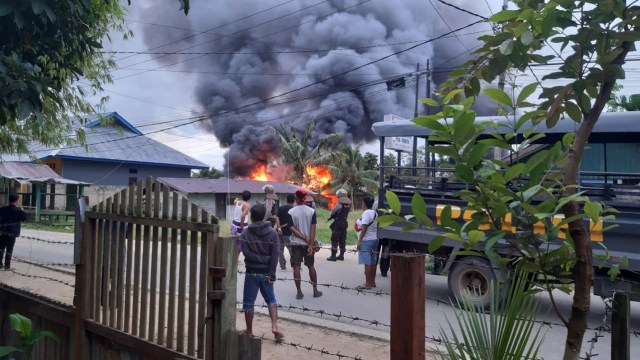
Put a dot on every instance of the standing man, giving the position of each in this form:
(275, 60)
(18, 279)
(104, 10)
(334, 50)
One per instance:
(11, 217)
(339, 226)
(283, 229)
(302, 221)
(270, 203)
(240, 214)
(260, 249)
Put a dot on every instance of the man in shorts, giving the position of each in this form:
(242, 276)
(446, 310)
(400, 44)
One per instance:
(261, 251)
(302, 221)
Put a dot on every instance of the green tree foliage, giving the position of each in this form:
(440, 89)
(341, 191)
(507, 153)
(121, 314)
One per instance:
(51, 60)
(491, 336)
(28, 337)
(49, 63)
(349, 172)
(370, 161)
(590, 39)
(298, 151)
(212, 173)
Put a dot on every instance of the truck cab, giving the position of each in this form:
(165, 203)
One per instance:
(609, 173)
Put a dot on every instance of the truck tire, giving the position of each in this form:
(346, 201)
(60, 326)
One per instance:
(471, 277)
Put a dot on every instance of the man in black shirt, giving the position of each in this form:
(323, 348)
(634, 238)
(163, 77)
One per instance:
(282, 227)
(11, 217)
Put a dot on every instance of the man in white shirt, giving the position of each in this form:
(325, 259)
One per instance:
(303, 234)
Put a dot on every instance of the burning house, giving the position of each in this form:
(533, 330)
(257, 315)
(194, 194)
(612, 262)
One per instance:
(217, 195)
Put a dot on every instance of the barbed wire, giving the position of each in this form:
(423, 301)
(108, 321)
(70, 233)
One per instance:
(52, 242)
(43, 264)
(323, 313)
(342, 287)
(41, 277)
(309, 348)
(608, 302)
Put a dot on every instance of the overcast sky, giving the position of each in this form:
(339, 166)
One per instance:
(226, 66)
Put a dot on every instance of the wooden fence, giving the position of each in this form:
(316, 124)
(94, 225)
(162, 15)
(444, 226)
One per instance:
(153, 275)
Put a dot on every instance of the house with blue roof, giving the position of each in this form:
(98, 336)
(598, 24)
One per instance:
(116, 153)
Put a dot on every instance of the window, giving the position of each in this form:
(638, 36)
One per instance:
(133, 180)
(133, 171)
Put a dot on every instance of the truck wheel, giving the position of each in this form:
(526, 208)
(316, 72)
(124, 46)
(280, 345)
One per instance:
(471, 277)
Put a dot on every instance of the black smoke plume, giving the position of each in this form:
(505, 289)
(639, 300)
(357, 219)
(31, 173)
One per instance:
(269, 47)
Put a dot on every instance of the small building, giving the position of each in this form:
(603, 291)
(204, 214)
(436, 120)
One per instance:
(39, 187)
(116, 153)
(217, 195)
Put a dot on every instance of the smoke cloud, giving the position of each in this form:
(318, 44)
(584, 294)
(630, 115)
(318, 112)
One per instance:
(269, 47)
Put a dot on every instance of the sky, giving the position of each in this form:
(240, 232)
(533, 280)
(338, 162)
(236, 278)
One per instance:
(213, 83)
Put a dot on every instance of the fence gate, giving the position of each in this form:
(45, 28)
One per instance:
(153, 277)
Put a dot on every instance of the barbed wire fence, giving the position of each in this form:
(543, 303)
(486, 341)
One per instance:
(599, 331)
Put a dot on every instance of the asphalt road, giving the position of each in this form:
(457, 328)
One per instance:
(372, 307)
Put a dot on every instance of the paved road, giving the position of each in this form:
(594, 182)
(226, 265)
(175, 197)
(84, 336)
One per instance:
(377, 308)
(369, 307)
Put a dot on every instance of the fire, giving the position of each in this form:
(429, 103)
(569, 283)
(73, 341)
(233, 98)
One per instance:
(260, 173)
(317, 179)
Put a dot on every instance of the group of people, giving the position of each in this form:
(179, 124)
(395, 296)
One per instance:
(293, 225)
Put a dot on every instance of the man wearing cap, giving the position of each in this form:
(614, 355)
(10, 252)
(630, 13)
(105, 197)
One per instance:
(302, 221)
(339, 225)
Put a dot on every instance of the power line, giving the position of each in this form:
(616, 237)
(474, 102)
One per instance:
(242, 30)
(267, 100)
(214, 28)
(464, 10)
(446, 23)
(181, 52)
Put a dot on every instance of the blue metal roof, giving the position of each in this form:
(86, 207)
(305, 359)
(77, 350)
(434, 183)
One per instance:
(119, 142)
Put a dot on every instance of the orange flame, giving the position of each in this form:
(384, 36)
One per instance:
(317, 178)
(260, 173)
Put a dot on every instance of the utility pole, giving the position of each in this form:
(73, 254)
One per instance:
(428, 163)
(414, 156)
(498, 152)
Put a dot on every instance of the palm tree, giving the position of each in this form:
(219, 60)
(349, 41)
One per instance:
(350, 174)
(298, 151)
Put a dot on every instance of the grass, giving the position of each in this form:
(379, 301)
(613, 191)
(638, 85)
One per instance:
(63, 227)
(323, 233)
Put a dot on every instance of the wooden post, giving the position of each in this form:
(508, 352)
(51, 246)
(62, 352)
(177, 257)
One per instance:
(82, 239)
(224, 310)
(620, 337)
(243, 347)
(407, 307)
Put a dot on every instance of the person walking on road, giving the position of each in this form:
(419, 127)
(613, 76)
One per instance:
(11, 219)
(240, 214)
(261, 252)
(283, 229)
(368, 242)
(302, 221)
(270, 203)
(339, 226)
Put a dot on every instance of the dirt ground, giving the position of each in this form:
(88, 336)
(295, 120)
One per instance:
(301, 340)
(352, 346)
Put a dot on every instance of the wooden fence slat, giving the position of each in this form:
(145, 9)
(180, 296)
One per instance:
(96, 263)
(146, 238)
(129, 267)
(135, 323)
(105, 267)
(193, 284)
(113, 269)
(182, 277)
(162, 303)
(153, 287)
(202, 297)
(172, 275)
(122, 235)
